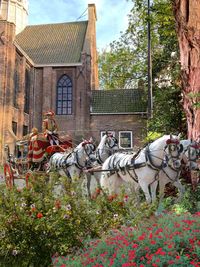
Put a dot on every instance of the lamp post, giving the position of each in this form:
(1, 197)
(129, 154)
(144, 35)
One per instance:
(150, 99)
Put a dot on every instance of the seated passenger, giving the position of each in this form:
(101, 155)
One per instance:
(50, 128)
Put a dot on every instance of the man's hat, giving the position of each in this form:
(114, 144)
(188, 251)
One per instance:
(49, 113)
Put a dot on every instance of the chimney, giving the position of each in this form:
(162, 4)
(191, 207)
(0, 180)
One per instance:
(92, 15)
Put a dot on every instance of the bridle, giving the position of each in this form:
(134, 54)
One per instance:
(171, 146)
(109, 141)
(89, 148)
(193, 147)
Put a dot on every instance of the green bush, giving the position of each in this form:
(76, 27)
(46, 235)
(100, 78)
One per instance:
(37, 223)
(53, 218)
(172, 241)
(189, 203)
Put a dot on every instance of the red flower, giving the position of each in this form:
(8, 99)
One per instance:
(57, 204)
(39, 215)
(159, 230)
(98, 190)
(160, 252)
(131, 254)
(150, 235)
(127, 264)
(142, 237)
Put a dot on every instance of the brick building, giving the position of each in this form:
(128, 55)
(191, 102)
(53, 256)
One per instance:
(54, 66)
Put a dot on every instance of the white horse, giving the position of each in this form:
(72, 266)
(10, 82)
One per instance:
(107, 146)
(169, 174)
(141, 169)
(72, 164)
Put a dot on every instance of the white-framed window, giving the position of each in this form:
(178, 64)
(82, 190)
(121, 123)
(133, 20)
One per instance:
(126, 139)
(110, 132)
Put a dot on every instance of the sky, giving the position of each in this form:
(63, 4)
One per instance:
(111, 15)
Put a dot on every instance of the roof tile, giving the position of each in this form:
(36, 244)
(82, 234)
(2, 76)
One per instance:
(118, 101)
(53, 43)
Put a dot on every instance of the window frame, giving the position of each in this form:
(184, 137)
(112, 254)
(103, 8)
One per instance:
(131, 141)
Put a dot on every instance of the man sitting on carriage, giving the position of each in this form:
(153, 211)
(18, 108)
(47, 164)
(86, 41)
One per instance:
(50, 128)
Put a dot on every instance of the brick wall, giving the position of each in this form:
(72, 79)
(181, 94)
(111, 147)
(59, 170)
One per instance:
(116, 123)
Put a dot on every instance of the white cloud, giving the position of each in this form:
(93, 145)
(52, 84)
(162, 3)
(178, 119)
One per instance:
(111, 15)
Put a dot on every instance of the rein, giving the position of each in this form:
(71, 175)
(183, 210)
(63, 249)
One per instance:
(148, 157)
(77, 164)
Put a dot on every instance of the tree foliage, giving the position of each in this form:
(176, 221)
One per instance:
(125, 64)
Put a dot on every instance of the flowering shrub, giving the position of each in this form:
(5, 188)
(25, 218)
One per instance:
(36, 223)
(53, 218)
(172, 241)
(39, 222)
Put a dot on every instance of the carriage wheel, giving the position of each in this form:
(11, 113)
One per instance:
(8, 174)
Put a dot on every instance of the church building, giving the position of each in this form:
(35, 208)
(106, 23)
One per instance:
(54, 67)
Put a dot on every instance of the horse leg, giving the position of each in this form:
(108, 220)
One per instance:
(111, 184)
(145, 189)
(181, 190)
(153, 187)
(89, 178)
(162, 183)
(137, 193)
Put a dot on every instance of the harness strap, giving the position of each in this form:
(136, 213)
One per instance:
(99, 160)
(177, 175)
(77, 164)
(67, 165)
(134, 177)
(150, 162)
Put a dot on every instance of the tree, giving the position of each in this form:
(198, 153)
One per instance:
(125, 64)
(187, 17)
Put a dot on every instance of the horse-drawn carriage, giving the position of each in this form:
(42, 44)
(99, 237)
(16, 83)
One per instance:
(29, 157)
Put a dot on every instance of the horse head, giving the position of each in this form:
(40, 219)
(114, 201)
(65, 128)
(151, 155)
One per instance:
(191, 154)
(89, 148)
(111, 141)
(173, 152)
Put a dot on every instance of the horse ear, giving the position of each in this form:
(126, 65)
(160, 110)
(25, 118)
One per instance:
(179, 136)
(168, 141)
(84, 142)
(106, 133)
(91, 140)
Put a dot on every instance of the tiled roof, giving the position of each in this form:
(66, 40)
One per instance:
(53, 43)
(118, 101)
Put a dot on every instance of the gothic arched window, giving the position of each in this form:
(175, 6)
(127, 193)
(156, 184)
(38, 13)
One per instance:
(64, 96)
